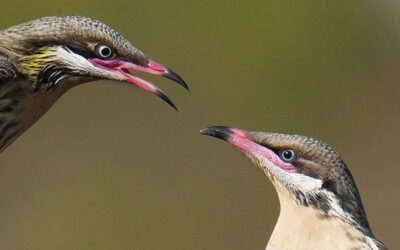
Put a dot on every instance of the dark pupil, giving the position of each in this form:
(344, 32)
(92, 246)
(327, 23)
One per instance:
(105, 51)
(287, 155)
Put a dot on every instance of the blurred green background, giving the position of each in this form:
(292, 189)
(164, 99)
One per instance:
(113, 167)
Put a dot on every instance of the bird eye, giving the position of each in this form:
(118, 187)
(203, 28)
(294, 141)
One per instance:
(104, 51)
(288, 155)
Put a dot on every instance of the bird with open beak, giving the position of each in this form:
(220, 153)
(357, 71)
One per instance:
(320, 204)
(41, 59)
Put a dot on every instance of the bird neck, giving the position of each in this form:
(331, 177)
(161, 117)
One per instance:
(8, 42)
(22, 107)
(303, 227)
(16, 38)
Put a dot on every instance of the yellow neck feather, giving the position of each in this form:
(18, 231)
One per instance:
(30, 65)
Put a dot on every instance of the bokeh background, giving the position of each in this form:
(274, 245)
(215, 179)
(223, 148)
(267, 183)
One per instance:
(113, 167)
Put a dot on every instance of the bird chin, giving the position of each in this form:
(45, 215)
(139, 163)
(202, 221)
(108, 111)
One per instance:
(67, 83)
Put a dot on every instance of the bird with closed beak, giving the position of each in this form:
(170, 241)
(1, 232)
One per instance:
(41, 59)
(320, 206)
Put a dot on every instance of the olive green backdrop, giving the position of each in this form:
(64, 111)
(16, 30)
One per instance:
(113, 167)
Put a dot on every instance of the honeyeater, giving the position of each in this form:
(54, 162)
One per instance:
(41, 59)
(320, 204)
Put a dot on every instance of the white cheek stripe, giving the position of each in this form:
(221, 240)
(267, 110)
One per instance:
(73, 60)
(304, 183)
(295, 180)
(79, 63)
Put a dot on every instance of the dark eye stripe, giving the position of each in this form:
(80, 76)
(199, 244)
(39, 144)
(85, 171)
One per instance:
(303, 168)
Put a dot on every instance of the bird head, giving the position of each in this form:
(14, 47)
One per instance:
(57, 50)
(311, 171)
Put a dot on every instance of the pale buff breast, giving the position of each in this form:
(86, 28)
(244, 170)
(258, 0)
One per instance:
(300, 227)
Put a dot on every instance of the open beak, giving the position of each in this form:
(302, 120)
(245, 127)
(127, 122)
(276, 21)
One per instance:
(152, 67)
(157, 69)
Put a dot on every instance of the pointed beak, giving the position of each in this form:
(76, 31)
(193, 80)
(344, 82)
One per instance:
(239, 138)
(158, 69)
(123, 67)
(242, 140)
(226, 133)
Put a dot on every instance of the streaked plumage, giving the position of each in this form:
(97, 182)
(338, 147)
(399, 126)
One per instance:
(321, 206)
(40, 60)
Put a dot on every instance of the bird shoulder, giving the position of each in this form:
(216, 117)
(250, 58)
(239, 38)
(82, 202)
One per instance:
(8, 71)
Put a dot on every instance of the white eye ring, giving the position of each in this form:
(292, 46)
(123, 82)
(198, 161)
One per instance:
(104, 51)
(288, 155)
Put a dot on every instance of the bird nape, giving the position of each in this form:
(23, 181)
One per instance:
(320, 204)
(41, 59)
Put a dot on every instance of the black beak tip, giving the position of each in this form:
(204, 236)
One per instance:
(220, 132)
(165, 98)
(170, 74)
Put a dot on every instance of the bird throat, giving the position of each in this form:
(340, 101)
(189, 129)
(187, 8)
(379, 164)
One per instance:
(304, 227)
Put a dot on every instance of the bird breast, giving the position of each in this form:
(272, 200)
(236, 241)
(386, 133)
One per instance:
(303, 227)
(21, 105)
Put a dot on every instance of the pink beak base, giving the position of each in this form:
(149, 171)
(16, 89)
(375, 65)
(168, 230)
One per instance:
(241, 139)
